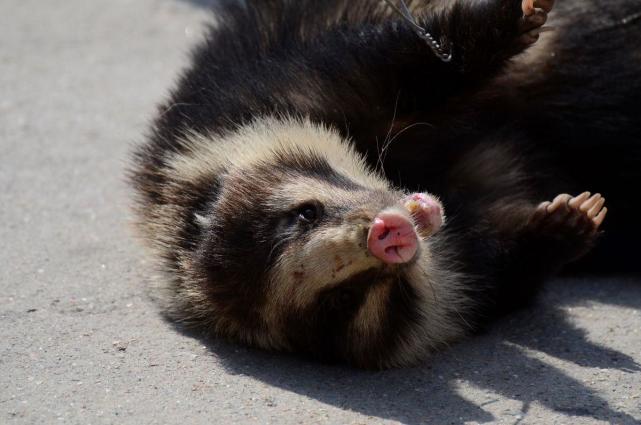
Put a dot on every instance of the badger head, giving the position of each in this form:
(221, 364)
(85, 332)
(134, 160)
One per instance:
(299, 246)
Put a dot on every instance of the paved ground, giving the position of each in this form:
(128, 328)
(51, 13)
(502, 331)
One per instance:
(81, 342)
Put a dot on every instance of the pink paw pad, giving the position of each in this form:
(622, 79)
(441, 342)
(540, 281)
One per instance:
(426, 211)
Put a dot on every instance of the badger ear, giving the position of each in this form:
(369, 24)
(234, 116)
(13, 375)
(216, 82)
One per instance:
(201, 220)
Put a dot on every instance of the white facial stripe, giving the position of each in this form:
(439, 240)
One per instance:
(368, 321)
(330, 256)
(261, 141)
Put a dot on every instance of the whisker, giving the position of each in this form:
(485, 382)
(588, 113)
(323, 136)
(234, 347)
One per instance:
(381, 156)
(390, 141)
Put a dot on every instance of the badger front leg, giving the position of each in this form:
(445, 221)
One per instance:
(550, 235)
(483, 35)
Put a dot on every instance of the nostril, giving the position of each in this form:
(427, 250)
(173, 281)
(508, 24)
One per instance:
(383, 235)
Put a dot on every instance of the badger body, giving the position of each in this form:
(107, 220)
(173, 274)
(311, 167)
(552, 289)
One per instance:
(306, 133)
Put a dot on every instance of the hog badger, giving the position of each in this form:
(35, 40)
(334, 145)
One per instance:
(320, 182)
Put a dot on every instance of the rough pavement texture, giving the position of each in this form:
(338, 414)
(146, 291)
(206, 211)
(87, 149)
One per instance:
(81, 341)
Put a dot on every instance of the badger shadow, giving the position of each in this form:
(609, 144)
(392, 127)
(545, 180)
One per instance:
(208, 4)
(497, 363)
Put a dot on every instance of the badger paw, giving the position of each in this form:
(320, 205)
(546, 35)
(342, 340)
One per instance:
(571, 223)
(427, 213)
(535, 14)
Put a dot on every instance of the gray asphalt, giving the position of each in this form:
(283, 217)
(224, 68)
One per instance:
(81, 340)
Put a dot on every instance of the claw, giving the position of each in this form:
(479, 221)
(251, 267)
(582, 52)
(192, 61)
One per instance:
(528, 7)
(562, 199)
(544, 4)
(577, 201)
(598, 220)
(592, 212)
(587, 205)
(544, 205)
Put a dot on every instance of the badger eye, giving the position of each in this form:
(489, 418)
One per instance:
(309, 213)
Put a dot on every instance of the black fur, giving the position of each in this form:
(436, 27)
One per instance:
(492, 137)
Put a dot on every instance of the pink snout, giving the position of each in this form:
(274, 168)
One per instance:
(392, 238)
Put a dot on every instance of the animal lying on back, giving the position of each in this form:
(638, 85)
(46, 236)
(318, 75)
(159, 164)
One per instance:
(262, 190)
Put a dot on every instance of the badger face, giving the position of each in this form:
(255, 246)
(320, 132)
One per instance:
(304, 249)
(292, 259)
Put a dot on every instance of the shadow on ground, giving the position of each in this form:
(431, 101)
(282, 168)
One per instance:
(500, 362)
(209, 3)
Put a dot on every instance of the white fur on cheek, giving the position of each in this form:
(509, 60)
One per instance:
(331, 255)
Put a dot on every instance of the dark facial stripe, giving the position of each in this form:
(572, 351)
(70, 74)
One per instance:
(313, 166)
(323, 329)
(401, 314)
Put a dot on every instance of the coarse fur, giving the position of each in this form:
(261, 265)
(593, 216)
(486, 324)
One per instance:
(338, 108)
